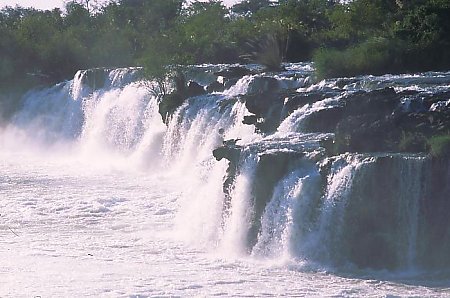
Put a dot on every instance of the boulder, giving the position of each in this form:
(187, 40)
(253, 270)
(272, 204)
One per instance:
(295, 100)
(324, 120)
(194, 89)
(215, 87)
(263, 85)
(169, 103)
(381, 102)
(229, 150)
(233, 72)
(96, 78)
(250, 120)
(267, 107)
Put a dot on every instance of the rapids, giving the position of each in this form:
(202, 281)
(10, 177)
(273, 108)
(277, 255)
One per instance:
(100, 197)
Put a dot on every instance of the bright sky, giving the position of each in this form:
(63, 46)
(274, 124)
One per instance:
(50, 4)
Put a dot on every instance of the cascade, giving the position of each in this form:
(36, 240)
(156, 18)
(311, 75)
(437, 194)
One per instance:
(279, 192)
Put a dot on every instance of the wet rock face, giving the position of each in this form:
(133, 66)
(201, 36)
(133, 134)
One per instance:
(296, 100)
(96, 78)
(265, 102)
(228, 77)
(215, 87)
(375, 220)
(169, 103)
(229, 152)
(382, 102)
(273, 106)
(270, 169)
(325, 120)
(234, 72)
(194, 89)
(266, 107)
(392, 210)
(374, 122)
(435, 206)
(363, 121)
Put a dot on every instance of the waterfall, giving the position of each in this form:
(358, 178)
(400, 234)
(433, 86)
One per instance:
(282, 198)
(287, 218)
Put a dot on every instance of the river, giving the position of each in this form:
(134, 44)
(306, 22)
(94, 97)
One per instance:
(98, 197)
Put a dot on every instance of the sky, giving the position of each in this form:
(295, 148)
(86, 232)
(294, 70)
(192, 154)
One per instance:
(50, 4)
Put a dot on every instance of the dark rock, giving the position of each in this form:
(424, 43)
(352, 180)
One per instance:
(230, 82)
(194, 89)
(435, 234)
(342, 82)
(169, 103)
(250, 120)
(296, 100)
(382, 102)
(96, 78)
(430, 99)
(260, 104)
(328, 145)
(270, 170)
(366, 133)
(229, 151)
(372, 121)
(373, 236)
(263, 85)
(267, 107)
(324, 120)
(215, 87)
(234, 72)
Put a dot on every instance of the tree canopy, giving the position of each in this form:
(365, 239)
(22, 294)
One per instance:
(342, 37)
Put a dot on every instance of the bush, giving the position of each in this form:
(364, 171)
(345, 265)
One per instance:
(413, 142)
(440, 146)
(374, 56)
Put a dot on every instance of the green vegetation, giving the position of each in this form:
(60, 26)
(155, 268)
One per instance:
(413, 142)
(373, 37)
(440, 146)
(344, 38)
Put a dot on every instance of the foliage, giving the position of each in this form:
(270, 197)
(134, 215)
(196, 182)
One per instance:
(343, 37)
(374, 56)
(414, 35)
(269, 52)
(249, 7)
(413, 142)
(440, 146)
(201, 29)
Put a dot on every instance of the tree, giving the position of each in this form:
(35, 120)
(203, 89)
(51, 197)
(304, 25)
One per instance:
(249, 7)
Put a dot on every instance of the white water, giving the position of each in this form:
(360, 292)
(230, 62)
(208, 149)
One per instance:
(99, 198)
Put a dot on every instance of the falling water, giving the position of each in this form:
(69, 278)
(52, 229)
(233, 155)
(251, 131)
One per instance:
(91, 157)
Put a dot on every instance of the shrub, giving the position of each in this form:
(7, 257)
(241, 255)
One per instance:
(413, 142)
(440, 146)
(374, 56)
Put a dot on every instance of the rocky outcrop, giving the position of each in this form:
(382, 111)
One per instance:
(363, 121)
(377, 121)
(170, 102)
(270, 170)
(435, 206)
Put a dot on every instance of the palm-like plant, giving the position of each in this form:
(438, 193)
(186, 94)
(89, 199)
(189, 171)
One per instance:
(269, 52)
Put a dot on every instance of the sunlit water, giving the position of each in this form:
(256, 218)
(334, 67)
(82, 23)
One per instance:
(70, 229)
(99, 198)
